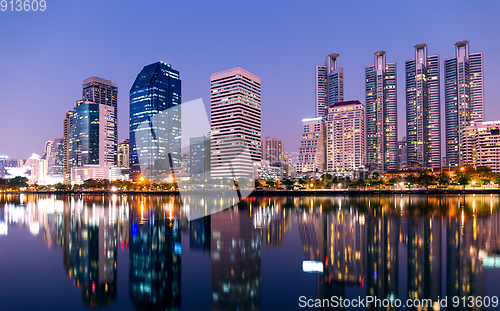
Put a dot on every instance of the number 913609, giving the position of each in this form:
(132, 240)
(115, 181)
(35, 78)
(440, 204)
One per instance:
(23, 5)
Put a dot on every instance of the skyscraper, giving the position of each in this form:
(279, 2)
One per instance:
(67, 146)
(345, 132)
(329, 85)
(124, 153)
(272, 150)
(235, 114)
(381, 114)
(94, 143)
(464, 99)
(423, 108)
(155, 122)
(199, 152)
(105, 92)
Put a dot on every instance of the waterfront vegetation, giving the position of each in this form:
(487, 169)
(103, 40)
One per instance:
(463, 178)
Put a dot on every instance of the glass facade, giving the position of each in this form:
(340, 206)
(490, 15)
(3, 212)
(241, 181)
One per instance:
(155, 122)
(199, 152)
(85, 134)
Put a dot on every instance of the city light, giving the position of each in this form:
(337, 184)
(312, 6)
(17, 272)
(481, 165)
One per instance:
(310, 266)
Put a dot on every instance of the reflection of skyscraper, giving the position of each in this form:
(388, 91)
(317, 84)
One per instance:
(236, 261)
(155, 264)
(155, 122)
(382, 257)
(424, 258)
(200, 233)
(90, 251)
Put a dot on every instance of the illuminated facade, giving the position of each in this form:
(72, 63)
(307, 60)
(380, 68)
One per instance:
(482, 145)
(67, 146)
(235, 115)
(345, 137)
(381, 114)
(464, 99)
(312, 147)
(329, 85)
(423, 108)
(155, 122)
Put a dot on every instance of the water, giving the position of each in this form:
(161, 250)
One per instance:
(141, 253)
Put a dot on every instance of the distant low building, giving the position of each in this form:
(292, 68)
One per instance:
(264, 170)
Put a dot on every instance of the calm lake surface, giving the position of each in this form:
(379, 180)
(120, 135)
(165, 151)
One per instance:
(141, 252)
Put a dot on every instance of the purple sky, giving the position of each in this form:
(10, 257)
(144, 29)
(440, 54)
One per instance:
(45, 56)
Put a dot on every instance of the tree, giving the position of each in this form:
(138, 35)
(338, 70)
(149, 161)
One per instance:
(271, 183)
(18, 182)
(443, 179)
(411, 180)
(425, 179)
(360, 183)
(463, 180)
(288, 183)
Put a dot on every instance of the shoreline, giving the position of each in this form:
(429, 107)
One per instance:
(260, 193)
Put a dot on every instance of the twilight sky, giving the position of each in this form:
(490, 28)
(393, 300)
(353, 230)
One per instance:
(45, 56)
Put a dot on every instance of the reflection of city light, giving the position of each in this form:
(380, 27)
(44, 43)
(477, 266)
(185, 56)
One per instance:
(310, 266)
(3, 228)
(34, 228)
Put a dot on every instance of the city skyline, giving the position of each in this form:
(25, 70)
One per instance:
(284, 85)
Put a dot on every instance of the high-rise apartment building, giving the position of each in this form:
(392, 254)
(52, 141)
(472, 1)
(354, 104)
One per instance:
(381, 114)
(329, 85)
(402, 153)
(423, 108)
(345, 136)
(67, 146)
(124, 153)
(464, 99)
(482, 145)
(312, 146)
(155, 122)
(235, 114)
(272, 150)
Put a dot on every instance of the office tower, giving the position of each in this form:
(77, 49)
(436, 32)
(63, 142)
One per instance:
(482, 145)
(345, 126)
(155, 122)
(464, 99)
(235, 261)
(312, 146)
(381, 114)
(105, 92)
(94, 142)
(402, 153)
(423, 108)
(235, 114)
(124, 153)
(199, 152)
(67, 146)
(329, 85)
(272, 150)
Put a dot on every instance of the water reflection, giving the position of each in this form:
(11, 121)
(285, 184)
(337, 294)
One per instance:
(393, 247)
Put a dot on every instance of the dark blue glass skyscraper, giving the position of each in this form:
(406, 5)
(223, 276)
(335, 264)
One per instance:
(155, 122)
